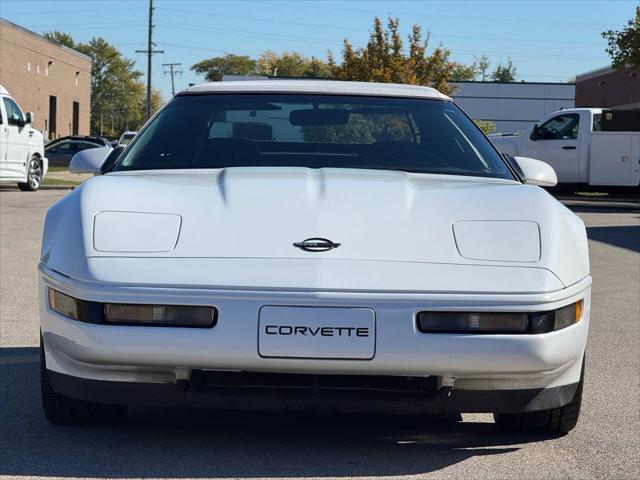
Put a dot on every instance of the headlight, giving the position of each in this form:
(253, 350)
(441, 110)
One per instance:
(132, 314)
(499, 322)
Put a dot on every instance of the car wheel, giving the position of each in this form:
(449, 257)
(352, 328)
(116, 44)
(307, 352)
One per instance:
(34, 176)
(556, 421)
(62, 410)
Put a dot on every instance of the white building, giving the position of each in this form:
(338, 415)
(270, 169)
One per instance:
(512, 106)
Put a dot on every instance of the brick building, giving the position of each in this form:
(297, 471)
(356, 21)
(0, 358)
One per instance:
(607, 87)
(48, 79)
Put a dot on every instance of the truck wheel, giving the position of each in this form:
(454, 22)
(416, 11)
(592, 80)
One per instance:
(62, 410)
(555, 421)
(34, 176)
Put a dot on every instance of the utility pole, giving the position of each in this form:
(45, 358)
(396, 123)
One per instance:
(149, 51)
(173, 70)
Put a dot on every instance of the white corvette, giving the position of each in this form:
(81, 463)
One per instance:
(314, 244)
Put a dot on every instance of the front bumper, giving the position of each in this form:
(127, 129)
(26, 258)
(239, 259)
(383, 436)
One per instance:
(161, 358)
(346, 398)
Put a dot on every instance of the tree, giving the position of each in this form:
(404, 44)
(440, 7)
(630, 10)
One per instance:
(482, 66)
(504, 73)
(60, 37)
(485, 125)
(385, 59)
(460, 71)
(215, 68)
(291, 64)
(118, 98)
(624, 45)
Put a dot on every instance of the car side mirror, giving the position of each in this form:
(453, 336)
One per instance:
(89, 160)
(535, 133)
(536, 172)
(28, 118)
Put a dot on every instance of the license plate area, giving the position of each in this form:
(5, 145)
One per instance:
(317, 332)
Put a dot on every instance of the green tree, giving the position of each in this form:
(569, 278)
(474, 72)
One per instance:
(460, 71)
(624, 45)
(60, 37)
(118, 95)
(504, 73)
(482, 64)
(215, 68)
(485, 125)
(291, 64)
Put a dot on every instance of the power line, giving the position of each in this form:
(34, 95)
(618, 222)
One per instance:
(53, 12)
(172, 71)
(315, 40)
(149, 51)
(456, 17)
(345, 28)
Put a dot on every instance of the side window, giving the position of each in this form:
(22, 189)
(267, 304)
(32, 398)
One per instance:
(62, 147)
(561, 127)
(14, 114)
(84, 146)
(597, 122)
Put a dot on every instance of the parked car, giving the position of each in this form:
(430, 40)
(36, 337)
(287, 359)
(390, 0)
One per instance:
(575, 144)
(374, 252)
(60, 151)
(125, 138)
(22, 158)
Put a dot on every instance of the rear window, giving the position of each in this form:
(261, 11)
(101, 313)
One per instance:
(314, 131)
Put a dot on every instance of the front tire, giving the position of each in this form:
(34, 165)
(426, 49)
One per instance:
(34, 176)
(554, 421)
(62, 410)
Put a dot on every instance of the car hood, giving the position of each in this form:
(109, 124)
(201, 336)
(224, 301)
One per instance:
(375, 216)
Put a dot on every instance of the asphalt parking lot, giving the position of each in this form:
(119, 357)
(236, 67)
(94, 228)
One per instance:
(172, 443)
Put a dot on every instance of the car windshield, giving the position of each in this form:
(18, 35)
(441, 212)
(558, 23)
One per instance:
(314, 131)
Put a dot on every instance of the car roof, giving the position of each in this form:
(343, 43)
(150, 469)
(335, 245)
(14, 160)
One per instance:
(79, 138)
(327, 87)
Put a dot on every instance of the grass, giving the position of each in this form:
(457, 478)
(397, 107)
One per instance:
(58, 182)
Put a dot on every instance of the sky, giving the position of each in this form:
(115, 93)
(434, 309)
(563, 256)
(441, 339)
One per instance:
(549, 40)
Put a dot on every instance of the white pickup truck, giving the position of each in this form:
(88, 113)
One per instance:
(574, 143)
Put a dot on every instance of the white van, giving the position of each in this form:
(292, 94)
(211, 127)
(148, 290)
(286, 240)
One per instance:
(22, 159)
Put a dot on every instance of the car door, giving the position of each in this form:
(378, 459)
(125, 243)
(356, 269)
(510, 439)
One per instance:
(17, 139)
(557, 144)
(3, 143)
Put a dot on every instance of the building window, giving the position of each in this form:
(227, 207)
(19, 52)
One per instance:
(53, 110)
(37, 69)
(28, 66)
(76, 118)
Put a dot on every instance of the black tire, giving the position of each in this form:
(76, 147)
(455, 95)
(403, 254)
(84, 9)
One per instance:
(555, 421)
(62, 410)
(34, 176)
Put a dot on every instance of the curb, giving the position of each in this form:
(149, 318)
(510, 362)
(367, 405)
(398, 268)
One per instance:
(602, 205)
(602, 199)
